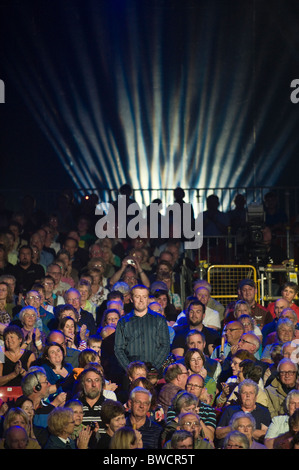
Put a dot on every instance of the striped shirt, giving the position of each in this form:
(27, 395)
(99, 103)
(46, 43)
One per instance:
(206, 413)
(143, 339)
(93, 413)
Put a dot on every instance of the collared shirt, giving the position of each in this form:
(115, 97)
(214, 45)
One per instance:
(143, 338)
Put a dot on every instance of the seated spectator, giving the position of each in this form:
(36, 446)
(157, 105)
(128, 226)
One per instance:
(175, 376)
(181, 440)
(113, 418)
(35, 432)
(139, 404)
(70, 274)
(36, 387)
(16, 360)
(53, 362)
(61, 426)
(16, 437)
(279, 388)
(285, 332)
(280, 425)
(245, 423)
(191, 422)
(17, 417)
(248, 391)
(195, 363)
(84, 287)
(236, 440)
(34, 339)
(126, 438)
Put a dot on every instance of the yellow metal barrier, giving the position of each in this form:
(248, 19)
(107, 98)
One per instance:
(224, 280)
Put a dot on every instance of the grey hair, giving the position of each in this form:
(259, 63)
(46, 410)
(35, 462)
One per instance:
(285, 322)
(181, 399)
(247, 383)
(24, 310)
(140, 390)
(289, 397)
(31, 380)
(240, 415)
(237, 436)
(286, 360)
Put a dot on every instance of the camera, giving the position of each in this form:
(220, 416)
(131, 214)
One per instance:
(130, 261)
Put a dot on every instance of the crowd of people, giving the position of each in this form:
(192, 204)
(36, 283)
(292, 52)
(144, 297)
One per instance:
(102, 351)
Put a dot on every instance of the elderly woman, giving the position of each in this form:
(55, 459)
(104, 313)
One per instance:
(18, 417)
(195, 361)
(16, 359)
(34, 339)
(84, 287)
(61, 424)
(245, 423)
(280, 424)
(285, 332)
(182, 402)
(236, 440)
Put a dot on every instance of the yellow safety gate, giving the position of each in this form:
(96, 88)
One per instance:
(224, 280)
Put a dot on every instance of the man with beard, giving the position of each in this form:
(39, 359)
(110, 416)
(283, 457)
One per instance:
(92, 398)
(195, 315)
(142, 335)
(25, 271)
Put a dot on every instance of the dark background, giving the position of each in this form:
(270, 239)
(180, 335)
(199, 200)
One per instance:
(254, 41)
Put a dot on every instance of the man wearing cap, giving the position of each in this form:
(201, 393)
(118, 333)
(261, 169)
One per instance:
(247, 291)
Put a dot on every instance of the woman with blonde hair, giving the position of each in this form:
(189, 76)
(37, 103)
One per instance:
(18, 417)
(126, 438)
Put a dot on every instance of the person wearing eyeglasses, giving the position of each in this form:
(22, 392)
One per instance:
(73, 297)
(139, 403)
(61, 424)
(190, 421)
(236, 440)
(282, 384)
(245, 423)
(280, 425)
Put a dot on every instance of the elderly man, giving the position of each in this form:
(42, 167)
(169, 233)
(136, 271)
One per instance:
(142, 335)
(248, 391)
(73, 297)
(139, 404)
(191, 422)
(279, 388)
(36, 387)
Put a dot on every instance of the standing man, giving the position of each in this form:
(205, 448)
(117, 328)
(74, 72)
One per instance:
(142, 335)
